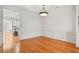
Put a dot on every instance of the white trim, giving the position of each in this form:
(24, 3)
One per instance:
(77, 38)
(49, 37)
(22, 38)
(59, 39)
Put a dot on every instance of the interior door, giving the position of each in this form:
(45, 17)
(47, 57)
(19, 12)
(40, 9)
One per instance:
(7, 35)
(9, 40)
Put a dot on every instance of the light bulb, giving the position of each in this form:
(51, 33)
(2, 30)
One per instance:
(43, 14)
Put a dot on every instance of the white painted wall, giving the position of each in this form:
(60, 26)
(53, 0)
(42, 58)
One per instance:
(1, 40)
(59, 23)
(30, 25)
(9, 13)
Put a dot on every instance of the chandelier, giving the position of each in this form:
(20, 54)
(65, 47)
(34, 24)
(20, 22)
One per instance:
(43, 12)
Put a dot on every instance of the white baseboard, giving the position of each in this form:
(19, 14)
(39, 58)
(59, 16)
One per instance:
(52, 37)
(59, 39)
(30, 37)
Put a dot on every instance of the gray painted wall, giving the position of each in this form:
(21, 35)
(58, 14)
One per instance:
(30, 25)
(58, 24)
(61, 23)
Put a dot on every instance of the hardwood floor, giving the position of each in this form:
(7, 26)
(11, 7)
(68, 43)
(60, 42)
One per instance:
(47, 45)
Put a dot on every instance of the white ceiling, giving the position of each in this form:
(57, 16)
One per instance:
(37, 8)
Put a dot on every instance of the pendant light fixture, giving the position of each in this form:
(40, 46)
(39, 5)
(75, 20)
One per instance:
(43, 12)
